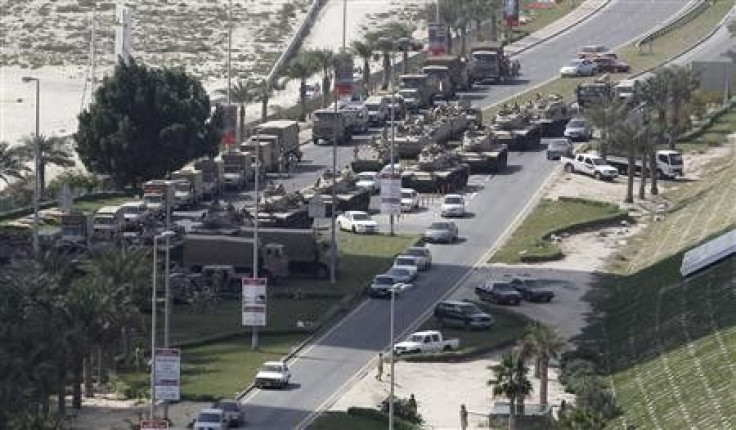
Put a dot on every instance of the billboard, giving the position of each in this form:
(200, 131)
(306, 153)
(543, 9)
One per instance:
(168, 374)
(390, 193)
(230, 128)
(437, 40)
(511, 12)
(344, 81)
(254, 302)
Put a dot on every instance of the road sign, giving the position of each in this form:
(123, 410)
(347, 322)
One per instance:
(511, 12)
(317, 208)
(390, 193)
(437, 40)
(154, 425)
(230, 129)
(254, 302)
(168, 374)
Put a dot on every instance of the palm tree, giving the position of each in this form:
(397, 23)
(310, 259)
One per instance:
(301, 68)
(683, 85)
(545, 344)
(243, 93)
(628, 136)
(12, 162)
(52, 150)
(263, 92)
(383, 43)
(606, 117)
(511, 381)
(450, 12)
(480, 10)
(364, 49)
(325, 60)
(656, 93)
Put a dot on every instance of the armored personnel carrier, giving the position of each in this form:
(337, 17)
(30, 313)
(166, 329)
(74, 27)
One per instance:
(551, 113)
(373, 156)
(514, 127)
(436, 171)
(277, 208)
(482, 153)
(349, 196)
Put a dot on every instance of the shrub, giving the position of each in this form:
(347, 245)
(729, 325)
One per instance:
(403, 410)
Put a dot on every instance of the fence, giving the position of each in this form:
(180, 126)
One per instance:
(696, 8)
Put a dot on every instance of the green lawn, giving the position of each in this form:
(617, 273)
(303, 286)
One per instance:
(93, 205)
(335, 420)
(528, 241)
(543, 17)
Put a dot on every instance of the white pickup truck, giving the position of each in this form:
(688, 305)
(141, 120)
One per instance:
(669, 163)
(426, 341)
(590, 164)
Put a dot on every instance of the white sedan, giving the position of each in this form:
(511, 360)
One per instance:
(409, 263)
(409, 200)
(368, 181)
(579, 67)
(357, 222)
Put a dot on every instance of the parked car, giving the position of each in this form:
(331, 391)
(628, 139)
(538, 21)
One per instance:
(134, 212)
(407, 262)
(409, 199)
(578, 129)
(211, 419)
(369, 181)
(500, 293)
(233, 410)
(532, 290)
(591, 165)
(453, 205)
(426, 341)
(423, 255)
(578, 67)
(441, 231)
(609, 64)
(558, 147)
(401, 275)
(273, 374)
(462, 314)
(382, 285)
(592, 51)
(357, 222)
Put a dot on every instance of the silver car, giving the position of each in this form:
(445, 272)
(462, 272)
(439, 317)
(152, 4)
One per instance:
(424, 255)
(578, 129)
(558, 147)
(441, 231)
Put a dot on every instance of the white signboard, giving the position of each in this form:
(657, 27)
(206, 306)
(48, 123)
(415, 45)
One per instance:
(168, 374)
(317, 207)
(254, 302)
(390, 193)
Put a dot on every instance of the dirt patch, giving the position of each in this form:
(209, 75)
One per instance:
(103, 412)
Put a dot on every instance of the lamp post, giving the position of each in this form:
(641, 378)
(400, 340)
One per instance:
(166, 234)
(393, 125)
(254, 329)
(167, 294)
(229, 45)
(391, 356)
(36, 164)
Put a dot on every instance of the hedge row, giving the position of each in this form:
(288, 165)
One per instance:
(21, 212)
(377, 415)
(704, 125)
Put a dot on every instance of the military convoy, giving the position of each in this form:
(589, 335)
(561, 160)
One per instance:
(349, 196)
(436, 170)
(593, 93)
(277, 208)
(482, 152)
(551, 113)
(488, 63)
(450, 72)
(371, 157)
(513, 126)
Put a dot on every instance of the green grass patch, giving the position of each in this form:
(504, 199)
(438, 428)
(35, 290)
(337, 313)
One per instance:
(544, 17)
(529, 241)
(221, 369)
(94, 205)
(338, 420)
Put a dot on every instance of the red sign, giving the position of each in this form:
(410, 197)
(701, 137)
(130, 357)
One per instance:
(437, 40)
(154, 424)
(511, 12)
(230, 129)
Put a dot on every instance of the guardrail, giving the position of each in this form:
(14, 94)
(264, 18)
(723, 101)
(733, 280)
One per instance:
(695, 9)
(296, 40)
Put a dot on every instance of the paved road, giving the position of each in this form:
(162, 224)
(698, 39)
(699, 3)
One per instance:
(328, 364)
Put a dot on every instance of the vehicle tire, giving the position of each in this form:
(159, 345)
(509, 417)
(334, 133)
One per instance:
(315, 141)
(569, 168)
(322, 272)
(660, 174)
(597, 176)
(353, 229)
(549, 299)
(447, 348)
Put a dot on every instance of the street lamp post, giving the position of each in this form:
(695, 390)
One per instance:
(166, 234)
(391, 356)
(254, 329)
(391, 152)
(229, 45)
(36, 164)
(167, 293)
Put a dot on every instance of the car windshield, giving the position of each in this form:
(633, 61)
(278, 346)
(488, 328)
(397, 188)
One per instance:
(271, 368)
(576, 123)
(676, 159)
(366, 177)
(485, 56)
(359, 216)
(132, 210)
(404, 261)
(207, 417)
(575, 63)
(398, 272)
(383, 280)
(558, 144)
(453, 200)
(228, 406)
(439, 226)
(407, 194)
(469, 309)
(415, 252)
(419, 338)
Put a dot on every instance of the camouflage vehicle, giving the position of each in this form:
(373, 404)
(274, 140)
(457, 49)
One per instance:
(451, 72)
(551, 113)
(373, 156)
(489, 63)
(349, 196)
(436, 171)
(482, 152)
(277, 208)
(443, 123)
(411, 137)
(514, 127)
(592, 93)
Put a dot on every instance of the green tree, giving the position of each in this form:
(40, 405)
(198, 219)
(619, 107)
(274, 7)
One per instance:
(52, 151)
(264, 91)
(544, 343)
(385, 45)
(606, 117)
(628, 137)
(364, 49)
(301, 68)
(656, 92)
(577, 418)
(142, 123)
(325, 60)
(683, 85)
(511, 381)
(12, 162)
(243, 93)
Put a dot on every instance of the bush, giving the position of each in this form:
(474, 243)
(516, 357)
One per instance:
(403, 409)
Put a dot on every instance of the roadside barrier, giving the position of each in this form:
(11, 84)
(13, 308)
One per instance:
(688, 14)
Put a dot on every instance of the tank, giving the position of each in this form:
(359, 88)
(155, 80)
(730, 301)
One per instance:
(373, 156)
(411, 137)
(349, 196)
(278, 208)
(514, 128)
(482, 152)
(551, 113)
(436, 171)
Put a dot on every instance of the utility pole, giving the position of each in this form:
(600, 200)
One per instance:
(391, 155)
(391, 392)
(254, 329)
(36, 164)
(229, 45)
(167, 293)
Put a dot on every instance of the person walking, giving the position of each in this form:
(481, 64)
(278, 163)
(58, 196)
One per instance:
(379, 370)
(463, 417)
(413, 403)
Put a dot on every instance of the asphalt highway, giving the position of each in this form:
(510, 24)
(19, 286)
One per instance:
(328, 365)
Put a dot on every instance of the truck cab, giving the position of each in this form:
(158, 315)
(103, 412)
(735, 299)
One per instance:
(76, 227)
(591, 165)
(287, 132)
(592, 93)
(134, 213)
(426, 341)
(330, 125)
(107, 222)
(418, 90)
(158, 195)
(486, 62)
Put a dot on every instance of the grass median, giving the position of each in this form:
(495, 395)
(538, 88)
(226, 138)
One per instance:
(530, 242)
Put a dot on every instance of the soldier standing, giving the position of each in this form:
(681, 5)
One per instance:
(379, 370)
(463, 417)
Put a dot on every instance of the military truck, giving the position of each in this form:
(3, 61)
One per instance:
(349, 196)
(237, 169)
(482, 153)
(288, 138)
(330, 125)
(76, 227)
(265, 147)
(450, 71)
(489, 64)
(307, 252)
(159, 195)
(551, 113)
(514, 128)
(189, 188)
(435, 171)
(202, 251)
(418, 90)
(108, 223)
(211, 176)
(593, 93)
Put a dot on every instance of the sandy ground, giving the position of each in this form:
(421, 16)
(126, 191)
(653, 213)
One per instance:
(107, 413)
